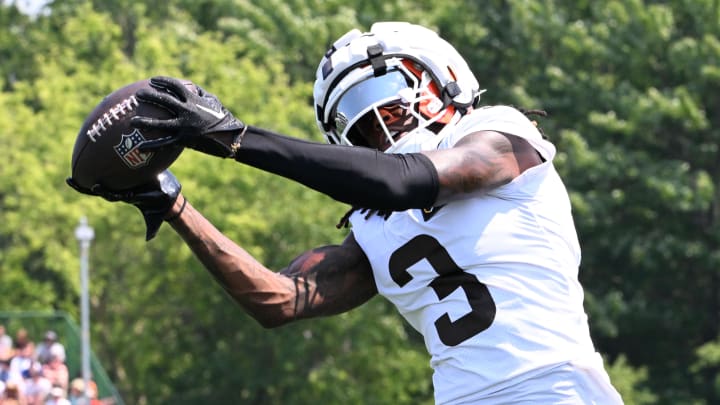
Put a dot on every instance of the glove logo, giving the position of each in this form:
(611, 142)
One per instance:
(128, 150)
(217, 114)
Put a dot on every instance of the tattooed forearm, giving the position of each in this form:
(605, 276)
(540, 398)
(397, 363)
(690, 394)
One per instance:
(323, 281)
(303, 295)
(330, 280)
(317, 281)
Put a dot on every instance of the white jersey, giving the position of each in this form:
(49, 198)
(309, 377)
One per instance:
(491, 283)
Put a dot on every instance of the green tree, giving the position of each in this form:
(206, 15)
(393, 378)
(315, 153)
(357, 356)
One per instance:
(631, 87)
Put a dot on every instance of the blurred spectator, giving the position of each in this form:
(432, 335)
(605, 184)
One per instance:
(77, 392)
(7, 376)
(37, 387)
(4, 370)
(23, 360)
(57, 397)
(93, 393)
(13, 395)
(49, 347)
(57, 372)
(6, 344)
(22, 340)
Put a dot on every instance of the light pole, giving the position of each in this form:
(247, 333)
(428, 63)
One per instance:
(84, 234)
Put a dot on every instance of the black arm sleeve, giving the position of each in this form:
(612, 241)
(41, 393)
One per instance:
(359, 176)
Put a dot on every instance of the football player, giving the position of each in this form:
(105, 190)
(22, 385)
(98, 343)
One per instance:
(459, 217)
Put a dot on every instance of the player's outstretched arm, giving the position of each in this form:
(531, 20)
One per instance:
(360, 177)
(323, 281)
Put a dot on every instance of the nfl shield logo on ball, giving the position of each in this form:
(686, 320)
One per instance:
(128, 151)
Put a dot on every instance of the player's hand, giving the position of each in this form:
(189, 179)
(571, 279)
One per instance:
(200, 120)
(154, 199)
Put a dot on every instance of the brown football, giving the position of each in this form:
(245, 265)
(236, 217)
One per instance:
(106, 149)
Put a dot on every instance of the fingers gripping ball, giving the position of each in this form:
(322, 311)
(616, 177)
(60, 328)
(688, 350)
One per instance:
(107, 151)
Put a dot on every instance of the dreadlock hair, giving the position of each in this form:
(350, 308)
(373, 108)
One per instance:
(530, 113)
(345, 220)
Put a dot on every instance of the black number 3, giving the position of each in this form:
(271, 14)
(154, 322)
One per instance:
(450, 277)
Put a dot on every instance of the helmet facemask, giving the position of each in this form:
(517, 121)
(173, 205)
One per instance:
(376, 111)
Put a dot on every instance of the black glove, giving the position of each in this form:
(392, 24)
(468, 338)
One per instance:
(200, 121)
(154, 200)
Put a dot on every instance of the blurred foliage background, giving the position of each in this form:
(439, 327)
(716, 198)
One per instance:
(632, 89)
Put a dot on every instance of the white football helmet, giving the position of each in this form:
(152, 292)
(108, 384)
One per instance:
(394, 64)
